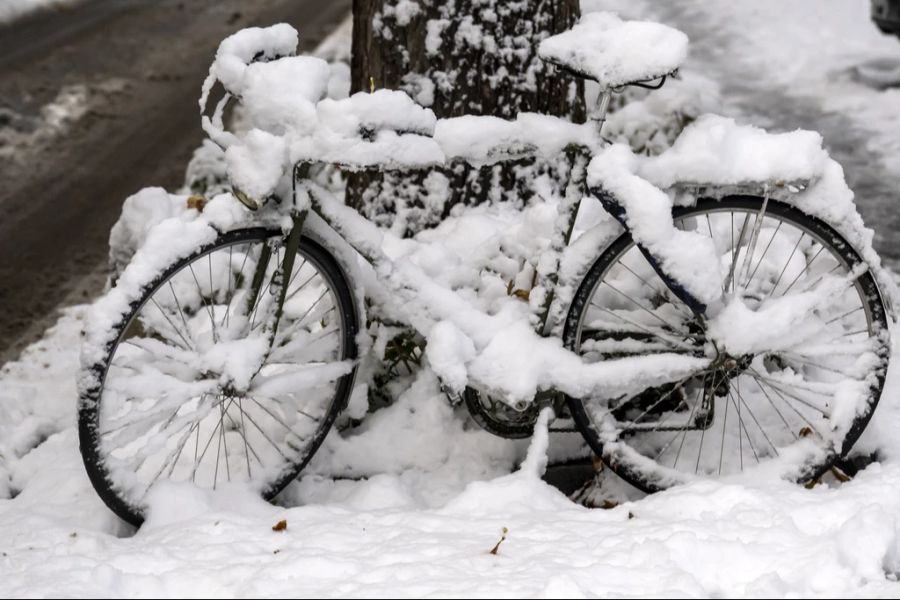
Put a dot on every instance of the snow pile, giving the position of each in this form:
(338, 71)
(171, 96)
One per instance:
(614, 52)
(484, 140)
(141, 212)
(237, 53)
(717, 151)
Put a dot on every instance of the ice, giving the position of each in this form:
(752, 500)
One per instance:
(615, 52)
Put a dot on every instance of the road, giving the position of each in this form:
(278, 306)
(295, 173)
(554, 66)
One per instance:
(97, 102)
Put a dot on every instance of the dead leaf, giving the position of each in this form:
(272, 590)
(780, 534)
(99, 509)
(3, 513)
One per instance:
(840, 475)
(196, 202)
(280, 525)
(502, 539)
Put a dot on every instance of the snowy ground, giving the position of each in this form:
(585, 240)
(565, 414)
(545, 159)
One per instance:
(10, 10)
(426, 524)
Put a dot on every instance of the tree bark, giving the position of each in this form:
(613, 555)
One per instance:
(458, 57)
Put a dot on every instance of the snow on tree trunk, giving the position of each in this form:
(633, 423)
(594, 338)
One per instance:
(459, 57)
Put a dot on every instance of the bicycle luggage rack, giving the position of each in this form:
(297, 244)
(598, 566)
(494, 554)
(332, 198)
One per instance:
(777, 190)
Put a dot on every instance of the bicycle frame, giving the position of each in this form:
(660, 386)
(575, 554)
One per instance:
(308, 196)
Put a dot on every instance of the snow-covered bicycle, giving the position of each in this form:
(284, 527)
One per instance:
(727, 317)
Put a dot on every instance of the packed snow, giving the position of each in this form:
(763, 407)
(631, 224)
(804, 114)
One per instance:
(418, 501)
(614, 52)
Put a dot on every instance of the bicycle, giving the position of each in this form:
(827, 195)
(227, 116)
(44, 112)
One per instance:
(231, 342)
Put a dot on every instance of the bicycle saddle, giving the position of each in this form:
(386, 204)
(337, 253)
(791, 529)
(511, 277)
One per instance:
(615, 53)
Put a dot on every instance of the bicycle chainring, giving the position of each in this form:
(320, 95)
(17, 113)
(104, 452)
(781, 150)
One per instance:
(498, 418)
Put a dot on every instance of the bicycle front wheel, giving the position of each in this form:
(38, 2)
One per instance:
(788, 406)
(194, 386)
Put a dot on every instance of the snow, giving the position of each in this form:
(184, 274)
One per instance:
(427, 529)
(12, 10)
(483, 140)
(385, 128)
(688, 256)
(718, 151)
(382, 109)
(614, 52)
(23, 135)
(239, 50)
(257, 163)
(412, 502)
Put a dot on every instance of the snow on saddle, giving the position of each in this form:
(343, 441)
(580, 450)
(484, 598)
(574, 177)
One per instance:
(614, 52)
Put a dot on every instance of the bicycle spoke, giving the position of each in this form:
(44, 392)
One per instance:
(677, 304)
(845, 315)
(190, 346)
(672, 342)
(765, 251)
(641, 306)
(774, 406)
(799, 358)
(275, 417)
(265, 435)
(690, 420)
(792, 407)
(755, 420)
(262, 294)
(746, 432)
(206, 302)
(735, 251)
(805, 269)
(205, 449)
(699, 450)
(722, 445)
(776, 384)
(244, 435)
(754, 237)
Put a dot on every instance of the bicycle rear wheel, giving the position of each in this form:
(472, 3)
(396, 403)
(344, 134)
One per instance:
(195, 388)
(790, 405)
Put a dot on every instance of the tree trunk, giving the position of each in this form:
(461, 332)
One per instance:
(458, 57)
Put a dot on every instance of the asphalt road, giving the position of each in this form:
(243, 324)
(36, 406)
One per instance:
(132, 70)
